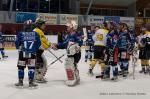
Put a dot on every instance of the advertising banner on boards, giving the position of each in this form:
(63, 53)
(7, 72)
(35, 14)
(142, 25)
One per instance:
(49, 18)
(112, 18)
(64, 18)
(95, 20)
(130, 21)
(21, 17)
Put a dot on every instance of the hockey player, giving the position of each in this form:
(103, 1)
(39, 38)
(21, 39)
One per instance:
(2, 43)
(99, 46)
(72, 45)
(111, 53)
(89, 45)
(142, 51)
(27, 43)
(145, 42)
(126, 45)
(41, 63)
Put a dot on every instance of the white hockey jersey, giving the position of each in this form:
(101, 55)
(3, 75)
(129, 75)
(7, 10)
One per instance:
(147, 36)
(100, 37)
(140, 37)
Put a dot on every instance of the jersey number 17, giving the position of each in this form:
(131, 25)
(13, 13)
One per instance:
(28, 44)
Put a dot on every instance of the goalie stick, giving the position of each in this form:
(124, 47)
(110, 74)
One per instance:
(55, 56)
(134, 59)
(85, 34)
(55, 60)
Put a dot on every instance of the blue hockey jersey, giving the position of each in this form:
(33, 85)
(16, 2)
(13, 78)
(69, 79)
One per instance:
(112, 40)
(125, 40)
(70, 37)
(90, 40)
(28, 42)
(80, 38)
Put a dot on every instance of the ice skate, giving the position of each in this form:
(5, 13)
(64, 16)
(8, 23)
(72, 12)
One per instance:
(115, 79)
(143, 71)
(99, 76)
(105, 77)
(125, 74)
(5, 56)
(73, 77)
(148, 71)
(19, 84)
(90, 72)
(43, 80)
(32, 84)
(71, 83)
(120, 72)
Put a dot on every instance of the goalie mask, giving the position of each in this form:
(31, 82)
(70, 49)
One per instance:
(72, 25)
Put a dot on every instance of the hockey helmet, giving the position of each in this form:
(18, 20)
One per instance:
(28, 25)
(72, 24)
(39, 22)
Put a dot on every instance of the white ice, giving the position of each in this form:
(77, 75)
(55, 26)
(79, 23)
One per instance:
(89, 88)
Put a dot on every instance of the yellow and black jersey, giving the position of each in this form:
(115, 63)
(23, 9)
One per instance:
(44, 42)
(100, 37)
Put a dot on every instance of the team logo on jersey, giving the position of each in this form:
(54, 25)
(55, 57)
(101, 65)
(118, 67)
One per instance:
(99, 37)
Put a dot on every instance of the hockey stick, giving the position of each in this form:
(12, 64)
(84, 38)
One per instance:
(133, 67)
(55, 60)
(134, 60)
(55, 56)
(85, 34)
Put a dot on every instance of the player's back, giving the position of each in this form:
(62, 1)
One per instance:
(28, 42)
(100, 37)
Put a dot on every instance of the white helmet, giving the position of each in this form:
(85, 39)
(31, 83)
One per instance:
(72, 24)
(28, 22)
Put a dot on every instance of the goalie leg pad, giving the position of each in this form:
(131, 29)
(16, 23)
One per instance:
(39, 72)
(70, 74)
(70, 68)
(77, 75)
(41, 67)
(73, 78)
(39, 76)
(44, 65)
(71, 71)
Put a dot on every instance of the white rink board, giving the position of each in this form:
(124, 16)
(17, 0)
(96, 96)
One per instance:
(52, 38)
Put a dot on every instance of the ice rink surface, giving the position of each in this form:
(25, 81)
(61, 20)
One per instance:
(55, 88)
